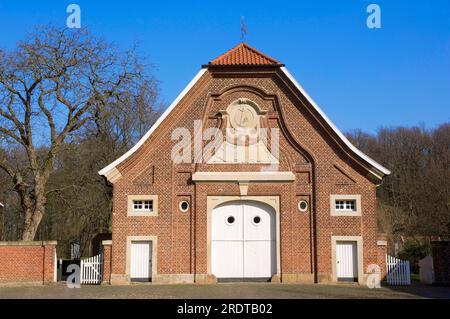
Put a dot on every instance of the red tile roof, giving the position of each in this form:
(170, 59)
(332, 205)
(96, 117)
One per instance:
(243, 54)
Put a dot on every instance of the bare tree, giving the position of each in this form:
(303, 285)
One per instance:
(415, 198)
(51, 87)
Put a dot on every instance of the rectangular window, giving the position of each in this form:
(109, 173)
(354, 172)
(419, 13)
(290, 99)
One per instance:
(345, 205)
(143, 206)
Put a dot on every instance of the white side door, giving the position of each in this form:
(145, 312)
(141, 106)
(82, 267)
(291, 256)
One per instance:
(259, 241)
(227, 241)
(346, 261)
(140, 262)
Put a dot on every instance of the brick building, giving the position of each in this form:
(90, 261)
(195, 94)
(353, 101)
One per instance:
(243, 178)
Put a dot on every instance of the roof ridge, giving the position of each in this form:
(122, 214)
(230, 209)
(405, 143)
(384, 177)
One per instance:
(260, 53)
(244, 54)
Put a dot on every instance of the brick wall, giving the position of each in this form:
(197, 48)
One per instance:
(27, 262)
(307, 148)
(441, 261)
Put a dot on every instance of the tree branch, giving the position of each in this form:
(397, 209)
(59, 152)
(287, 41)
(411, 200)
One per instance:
(8, 170)
(48, 114)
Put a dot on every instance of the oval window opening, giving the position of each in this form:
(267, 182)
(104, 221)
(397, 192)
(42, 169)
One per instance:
(184, 206)
(230, 220)
(303, 206)
(256, 219)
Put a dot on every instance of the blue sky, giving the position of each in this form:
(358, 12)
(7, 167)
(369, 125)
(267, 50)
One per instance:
(362, 78)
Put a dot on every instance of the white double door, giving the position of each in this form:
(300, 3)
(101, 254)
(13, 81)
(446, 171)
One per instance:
(243, 240)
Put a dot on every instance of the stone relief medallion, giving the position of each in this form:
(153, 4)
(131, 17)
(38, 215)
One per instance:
(243, 142)
(243, 116)
(243, 124)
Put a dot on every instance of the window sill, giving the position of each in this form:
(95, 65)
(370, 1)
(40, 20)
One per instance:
(139, 214)
(343, 214)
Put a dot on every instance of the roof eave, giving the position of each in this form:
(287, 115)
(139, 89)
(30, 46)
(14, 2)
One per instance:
(377, 170)
(111, 172)
(111, 169)
(211, 65)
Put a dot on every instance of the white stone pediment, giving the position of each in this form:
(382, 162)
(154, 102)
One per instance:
(229, 153)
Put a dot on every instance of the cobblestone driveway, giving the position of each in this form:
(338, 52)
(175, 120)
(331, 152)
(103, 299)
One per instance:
(234, 290)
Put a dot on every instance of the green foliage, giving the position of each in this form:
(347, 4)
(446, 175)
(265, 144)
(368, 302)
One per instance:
(414, 250)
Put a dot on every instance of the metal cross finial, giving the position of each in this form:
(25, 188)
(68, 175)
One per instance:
(243, 29)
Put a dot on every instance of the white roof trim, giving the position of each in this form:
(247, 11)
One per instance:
(111, 166)
(122, 158)
(373, 163)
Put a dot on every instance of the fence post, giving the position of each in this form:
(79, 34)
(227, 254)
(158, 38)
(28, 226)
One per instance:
(81, 272)
(408, 276)
(55, 268)
(106, 256)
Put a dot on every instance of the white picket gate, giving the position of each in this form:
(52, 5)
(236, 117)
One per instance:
(91, 270)
(397, 271)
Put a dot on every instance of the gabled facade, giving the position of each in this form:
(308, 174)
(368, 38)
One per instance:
(243, 178)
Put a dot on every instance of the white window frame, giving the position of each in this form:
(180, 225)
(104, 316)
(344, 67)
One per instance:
(143, 203)
(348, 205)
(345, 212)
(131, 211)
